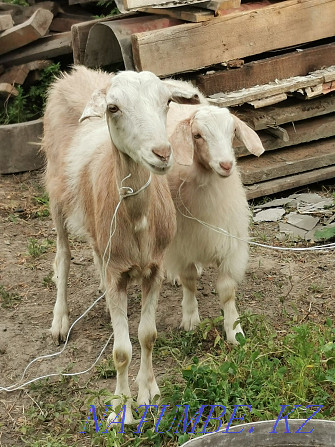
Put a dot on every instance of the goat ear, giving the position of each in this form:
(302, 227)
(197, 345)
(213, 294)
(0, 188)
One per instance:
(182, 94)
(96, 106)
(182, 143)
(249, 137)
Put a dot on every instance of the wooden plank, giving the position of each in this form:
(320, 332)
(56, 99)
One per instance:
(45, 48)
(296, 133)
(19, 73)
(138, 4)
(7, 90)
(187, 13)
(32, 29)
(63, 22)
(192, 46)
(296, 63)
(268, 101)
(215, 5)
(21, 13)
(283, 162)
(272, 88)
(6, 22)
(289, 182)
(287, 112)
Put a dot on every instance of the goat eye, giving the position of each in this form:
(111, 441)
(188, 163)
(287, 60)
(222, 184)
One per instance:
(113, 109)
(197, 136)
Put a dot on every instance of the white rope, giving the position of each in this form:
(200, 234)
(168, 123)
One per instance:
(124, 192)
(225, 232)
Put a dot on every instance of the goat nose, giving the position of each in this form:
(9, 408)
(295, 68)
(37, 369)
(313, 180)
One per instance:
(226, 166)
(162, 152)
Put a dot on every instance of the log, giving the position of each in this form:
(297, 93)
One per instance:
(283, 162)
(32, 29)
(295, 63)
(289, 182)
(192, 46)
(45, 48)
(6, 22)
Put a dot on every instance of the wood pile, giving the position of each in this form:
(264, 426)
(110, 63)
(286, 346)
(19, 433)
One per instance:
(272, 62)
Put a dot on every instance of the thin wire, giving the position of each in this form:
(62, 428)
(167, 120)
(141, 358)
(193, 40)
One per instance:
(223, 231)
(124, 192)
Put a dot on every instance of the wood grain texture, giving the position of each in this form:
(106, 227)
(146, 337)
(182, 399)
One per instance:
(289, 182)
(295, 63)
(283, 162)
(237, 35)
(32, 29)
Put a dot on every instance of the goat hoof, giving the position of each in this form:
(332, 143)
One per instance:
(231, 335)
(147, 391)
(190, 322)
(59, 329)
(126, 417)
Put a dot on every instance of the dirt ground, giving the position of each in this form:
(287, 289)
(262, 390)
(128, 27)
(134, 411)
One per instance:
(280, 285)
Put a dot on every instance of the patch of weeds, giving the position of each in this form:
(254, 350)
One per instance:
(17, 2)
(316, 288)
(8, 299)
(108, 7)
(30, 101)
(37, 248)
(47, 281)
(43, 205)
(106, 369)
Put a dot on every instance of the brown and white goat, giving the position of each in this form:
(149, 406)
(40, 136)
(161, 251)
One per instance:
(206, 186)
(88, 166)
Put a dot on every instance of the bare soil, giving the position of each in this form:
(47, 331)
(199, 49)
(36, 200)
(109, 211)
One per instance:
(284, 286)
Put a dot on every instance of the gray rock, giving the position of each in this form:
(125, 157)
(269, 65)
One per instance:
(292, 231)
(304, 222)
(279, 202)
(269, 215)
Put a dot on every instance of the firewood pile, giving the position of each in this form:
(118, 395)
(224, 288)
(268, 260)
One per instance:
(272, 62)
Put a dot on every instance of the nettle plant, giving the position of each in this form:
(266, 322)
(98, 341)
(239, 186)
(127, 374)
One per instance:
(29, 103)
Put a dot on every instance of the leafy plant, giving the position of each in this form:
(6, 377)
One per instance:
(8, 299)
(36, 248)
(29, 103)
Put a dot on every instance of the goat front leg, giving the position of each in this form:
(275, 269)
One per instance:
(147, 333)
(116, 297)
(188, 279)
(225, 287)
(60, 323)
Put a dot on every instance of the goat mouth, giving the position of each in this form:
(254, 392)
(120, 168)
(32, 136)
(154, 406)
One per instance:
(157, 169)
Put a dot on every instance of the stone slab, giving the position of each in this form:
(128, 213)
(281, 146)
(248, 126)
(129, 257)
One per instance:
(269, 215)
(302, 221)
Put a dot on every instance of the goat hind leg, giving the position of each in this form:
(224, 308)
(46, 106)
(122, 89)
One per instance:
(60, 323)
(188, 278)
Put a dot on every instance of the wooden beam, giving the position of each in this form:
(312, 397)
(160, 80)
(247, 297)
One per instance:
(295, 63)
(6, 22)
(45, 48)
(187, 13)
(294, 133)
(283, 162)
(192, 46)
(7, 90)
(32, 29)
(138, 4)
(293, 181)
(272, 88)
(287, 112)
(19, 73)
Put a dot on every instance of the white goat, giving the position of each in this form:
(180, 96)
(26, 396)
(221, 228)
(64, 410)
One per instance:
(205, 184)
(90, 168)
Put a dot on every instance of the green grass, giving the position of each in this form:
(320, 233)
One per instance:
(267, 370)
(8, 299)
(36, 248)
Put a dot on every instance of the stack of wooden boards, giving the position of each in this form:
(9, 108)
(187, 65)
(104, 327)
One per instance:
(286, 98)
(29, 35)
(272, 62)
